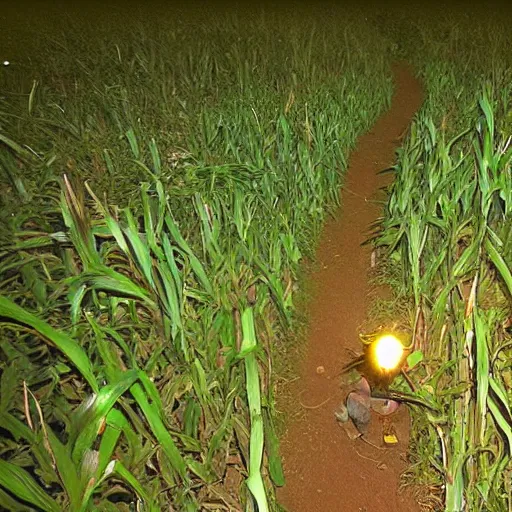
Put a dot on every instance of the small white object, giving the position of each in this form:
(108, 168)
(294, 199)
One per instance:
(6, 62)
(110, 468)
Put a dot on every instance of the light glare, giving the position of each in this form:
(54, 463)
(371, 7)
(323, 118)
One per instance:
(388, 352)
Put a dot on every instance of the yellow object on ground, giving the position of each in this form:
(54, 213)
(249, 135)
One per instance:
(390, 439)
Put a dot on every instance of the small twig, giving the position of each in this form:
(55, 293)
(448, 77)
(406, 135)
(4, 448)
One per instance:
(312, 406)
(368, 458)
(46, 441)
(408, 380)
(346, 189)
(27, 408)
(285, 382)
(371, 444)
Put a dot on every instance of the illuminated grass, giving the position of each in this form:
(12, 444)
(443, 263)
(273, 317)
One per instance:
(212, 150)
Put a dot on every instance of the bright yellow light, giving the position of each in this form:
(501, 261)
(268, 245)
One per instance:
(388, 352)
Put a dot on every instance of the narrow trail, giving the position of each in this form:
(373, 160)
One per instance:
(325, 470)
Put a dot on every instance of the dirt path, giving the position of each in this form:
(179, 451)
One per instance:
(325, 471)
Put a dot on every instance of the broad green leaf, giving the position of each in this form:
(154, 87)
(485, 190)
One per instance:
(482, 372)
(89, 417)
(107, 279)
(7, 502)
(255, 480)
(414, 358)
(94, 476)
(21, 484)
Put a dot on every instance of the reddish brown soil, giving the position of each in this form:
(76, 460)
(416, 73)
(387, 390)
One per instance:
(325, 470)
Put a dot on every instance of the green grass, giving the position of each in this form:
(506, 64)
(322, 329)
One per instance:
(165, 179)
(445, 230)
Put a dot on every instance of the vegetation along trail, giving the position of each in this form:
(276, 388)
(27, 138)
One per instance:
(325, 470)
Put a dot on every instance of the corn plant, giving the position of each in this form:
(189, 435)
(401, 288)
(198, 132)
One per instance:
(165, 180)
(445, 230)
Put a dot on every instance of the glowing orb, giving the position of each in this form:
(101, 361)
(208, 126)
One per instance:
(6, 62)
(388, 352)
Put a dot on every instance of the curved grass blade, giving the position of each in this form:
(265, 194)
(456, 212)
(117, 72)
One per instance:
(92, 414)
(16, 147)
(140, 248)
(196, 265)
(67, 345)
(21, 484)
(129, 478)
(504, 424)
(66, 469)
(499, 263)
(7, 502)
(105, 278)
(159, 430)
(116, 422)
